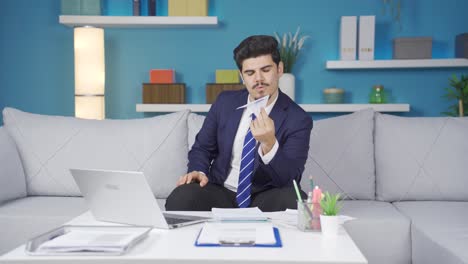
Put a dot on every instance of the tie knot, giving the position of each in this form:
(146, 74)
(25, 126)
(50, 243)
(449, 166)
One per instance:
(253, 116)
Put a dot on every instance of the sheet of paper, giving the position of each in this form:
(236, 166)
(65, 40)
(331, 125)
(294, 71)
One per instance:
(83, 240)
(238, 214)
(256, 232)
(256, 105)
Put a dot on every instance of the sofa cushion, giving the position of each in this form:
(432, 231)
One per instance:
(12, 180)
(380, 231)
(421, 158)
(25, 218)
(50, 145)
(439, 230)
(195, 123)
(341, 155)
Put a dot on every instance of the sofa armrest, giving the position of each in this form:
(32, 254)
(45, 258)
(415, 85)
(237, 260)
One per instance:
(12, 179)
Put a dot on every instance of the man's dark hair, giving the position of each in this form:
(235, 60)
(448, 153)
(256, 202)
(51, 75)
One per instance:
(255, 46)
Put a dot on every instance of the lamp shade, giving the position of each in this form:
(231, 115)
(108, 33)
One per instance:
(89, 72)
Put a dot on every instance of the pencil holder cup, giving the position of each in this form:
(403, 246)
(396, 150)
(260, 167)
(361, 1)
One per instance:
(308, 216)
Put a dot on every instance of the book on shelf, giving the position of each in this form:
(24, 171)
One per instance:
(366, 37)
(348, 38)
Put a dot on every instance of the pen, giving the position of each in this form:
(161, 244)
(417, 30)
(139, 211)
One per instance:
(299, 199)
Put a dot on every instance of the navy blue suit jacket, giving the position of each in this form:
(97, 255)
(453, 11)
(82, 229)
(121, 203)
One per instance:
(211, 153)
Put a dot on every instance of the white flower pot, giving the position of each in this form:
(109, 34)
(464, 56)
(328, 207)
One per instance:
(287, 84)
(330, 225)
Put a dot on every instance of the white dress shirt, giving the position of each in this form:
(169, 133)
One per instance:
(233, 177)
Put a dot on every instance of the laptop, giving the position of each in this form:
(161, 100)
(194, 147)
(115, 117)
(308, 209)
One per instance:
(125, 197)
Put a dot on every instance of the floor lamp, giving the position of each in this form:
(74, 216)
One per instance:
(89, 72)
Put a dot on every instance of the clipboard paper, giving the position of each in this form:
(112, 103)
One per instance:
(219, 234)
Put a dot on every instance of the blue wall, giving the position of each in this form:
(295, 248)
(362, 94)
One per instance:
(36, 52)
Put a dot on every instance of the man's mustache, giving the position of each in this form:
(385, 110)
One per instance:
(262, 84)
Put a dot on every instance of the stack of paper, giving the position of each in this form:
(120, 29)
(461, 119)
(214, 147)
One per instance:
(238, 214)
(91, 241)
(237, 233)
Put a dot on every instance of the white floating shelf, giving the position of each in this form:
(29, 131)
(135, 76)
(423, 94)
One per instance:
(137, 21)
(388, 64)
(311, 108)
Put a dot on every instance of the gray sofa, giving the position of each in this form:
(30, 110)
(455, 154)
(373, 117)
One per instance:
(403, 178)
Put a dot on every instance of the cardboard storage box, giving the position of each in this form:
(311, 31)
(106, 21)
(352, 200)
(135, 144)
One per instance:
(170, 93)
(461, 46)
(412, 48)
(214, 89)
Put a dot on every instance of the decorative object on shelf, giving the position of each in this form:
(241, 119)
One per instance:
(162, 76)
(290, 47)
(214, 89)
(333, 95)
(461, 46)
(348, 38)
(168, 93)
(81, 7)
(412, 48)
(366, 37)
(395, 10)
(187, 7)
(329, 218)
(89, 72)
(377, 95)
(227, 76)
(459, 92)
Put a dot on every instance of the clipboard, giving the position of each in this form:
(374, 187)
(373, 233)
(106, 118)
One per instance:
(246, 243)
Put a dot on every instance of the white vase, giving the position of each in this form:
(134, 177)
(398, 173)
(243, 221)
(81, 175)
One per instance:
(330, 225)
(287, 84)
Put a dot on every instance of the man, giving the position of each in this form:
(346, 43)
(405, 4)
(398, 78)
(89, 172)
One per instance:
(245, 159)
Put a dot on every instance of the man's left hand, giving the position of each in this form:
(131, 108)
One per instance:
(263, 130)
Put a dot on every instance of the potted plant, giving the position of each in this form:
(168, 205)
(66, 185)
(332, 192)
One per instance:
(459, 92)
(289, 46)
(329, 218)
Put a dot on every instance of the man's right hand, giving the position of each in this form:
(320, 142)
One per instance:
(194, 176)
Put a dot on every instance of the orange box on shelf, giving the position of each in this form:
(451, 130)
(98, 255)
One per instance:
(162, 76)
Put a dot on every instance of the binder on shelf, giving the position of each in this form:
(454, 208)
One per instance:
(151, 7)
(215, 234)
(169, 93)
(348, 38)
(366, 37)
(136, 7)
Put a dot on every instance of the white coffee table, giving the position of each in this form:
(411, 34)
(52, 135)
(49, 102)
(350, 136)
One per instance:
(177, 246)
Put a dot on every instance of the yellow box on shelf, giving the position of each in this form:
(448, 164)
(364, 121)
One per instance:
(188, 7)
(227, 76)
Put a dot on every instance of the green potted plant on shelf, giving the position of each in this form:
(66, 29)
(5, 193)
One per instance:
(290, 47)
(459, 92)
(329, 218)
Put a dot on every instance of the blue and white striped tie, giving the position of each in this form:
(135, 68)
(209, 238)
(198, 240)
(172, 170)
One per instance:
(246, 170)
